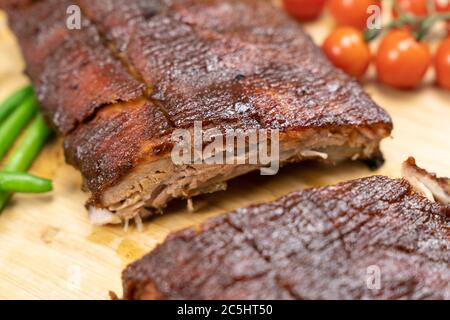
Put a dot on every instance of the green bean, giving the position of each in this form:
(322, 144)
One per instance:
(24, 183)
(27, 150)
(7, 106)
(13, 125)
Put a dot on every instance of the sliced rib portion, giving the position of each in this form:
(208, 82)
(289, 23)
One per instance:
(372, 238)
(139, 70)
(119, 140)
(433, 187)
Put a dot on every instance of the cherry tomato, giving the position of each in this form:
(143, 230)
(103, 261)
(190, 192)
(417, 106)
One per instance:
(442, 64)
(347, 50)
(401, 60)
(352, 12)
(442, 5)
(304, 10)
(418, 8)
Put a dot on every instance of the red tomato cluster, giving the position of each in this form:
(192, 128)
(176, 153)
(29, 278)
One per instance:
(401, 61)
(346, 12)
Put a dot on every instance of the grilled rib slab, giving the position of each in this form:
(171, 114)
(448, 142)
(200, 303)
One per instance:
(324, 243)
(138, 70)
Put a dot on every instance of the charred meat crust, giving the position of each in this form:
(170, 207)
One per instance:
(193, 65)
(73, 73)
(313, 244)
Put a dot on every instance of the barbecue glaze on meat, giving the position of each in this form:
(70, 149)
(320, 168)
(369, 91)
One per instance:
(323, 243)
(138, 70)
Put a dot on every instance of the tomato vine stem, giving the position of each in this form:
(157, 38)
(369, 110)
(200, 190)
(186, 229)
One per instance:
(421, 26)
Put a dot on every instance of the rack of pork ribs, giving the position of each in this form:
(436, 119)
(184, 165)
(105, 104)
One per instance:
(135, 71)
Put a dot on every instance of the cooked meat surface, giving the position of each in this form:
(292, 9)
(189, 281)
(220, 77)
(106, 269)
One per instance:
(373, 238)
(73, 73)
(137, 71)
(433, 187)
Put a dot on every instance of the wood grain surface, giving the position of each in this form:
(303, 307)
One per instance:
(48, 249)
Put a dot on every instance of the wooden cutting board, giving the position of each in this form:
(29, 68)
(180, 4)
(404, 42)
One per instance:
(48, 249)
